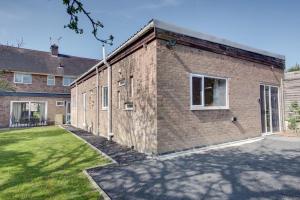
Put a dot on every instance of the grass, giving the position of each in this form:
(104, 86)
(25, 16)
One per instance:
(45, 163)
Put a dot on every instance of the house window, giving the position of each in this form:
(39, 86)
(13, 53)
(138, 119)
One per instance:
(60, 103)
(131, 86)
(122, 82)
(208, 92)
(67, 80)
(24, 112)
(50, 80)
(22, 78)
(128, 106)
(104, 97)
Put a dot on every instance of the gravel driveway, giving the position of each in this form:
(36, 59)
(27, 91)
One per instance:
(267, 169)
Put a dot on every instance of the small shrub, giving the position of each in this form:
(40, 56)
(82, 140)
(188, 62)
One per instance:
(293, 118)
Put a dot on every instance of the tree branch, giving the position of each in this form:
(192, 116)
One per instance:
(74, 8)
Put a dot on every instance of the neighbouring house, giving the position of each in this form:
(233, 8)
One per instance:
(169, 89)
(41, 81)
(291, 91)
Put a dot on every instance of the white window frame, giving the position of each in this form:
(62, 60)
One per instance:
(63, 81)
(22, 82)
(50, 79)
(102, 98)
(58, 103)
(202, 106)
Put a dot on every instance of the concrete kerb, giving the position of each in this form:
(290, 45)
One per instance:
(113, 162)
(208, 148)
(96, 186)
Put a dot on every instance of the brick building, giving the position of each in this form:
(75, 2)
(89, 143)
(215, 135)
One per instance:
(168, 89)
(41, 85)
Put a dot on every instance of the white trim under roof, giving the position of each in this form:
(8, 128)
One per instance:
(170, 27)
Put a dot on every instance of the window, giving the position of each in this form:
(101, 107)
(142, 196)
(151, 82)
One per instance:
(24, 112)
(23, 78)
(131, 86)
(104, 97)
(122, 82)
(60, 103)
(50, 80)
(128, 106)
(67, 81)
(208, 92)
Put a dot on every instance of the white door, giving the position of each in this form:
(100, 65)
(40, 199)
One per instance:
(269, 105)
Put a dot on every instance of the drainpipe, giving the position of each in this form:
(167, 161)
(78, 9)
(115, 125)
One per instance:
(97, 100)
(109, 111)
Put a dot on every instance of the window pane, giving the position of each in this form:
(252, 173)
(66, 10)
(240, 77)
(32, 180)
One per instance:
(27, 78)
(196, 93)
(215, 92)
(18, 78)
(105, 97)
(50, 80)
(20, 113)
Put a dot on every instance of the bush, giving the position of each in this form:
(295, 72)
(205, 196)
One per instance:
(293, 116)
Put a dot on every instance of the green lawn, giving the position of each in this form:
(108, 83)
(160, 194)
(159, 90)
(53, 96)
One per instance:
(45, 163)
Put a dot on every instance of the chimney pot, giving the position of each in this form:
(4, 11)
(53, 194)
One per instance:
(54, 49)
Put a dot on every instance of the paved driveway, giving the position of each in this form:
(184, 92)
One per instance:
(268, 169)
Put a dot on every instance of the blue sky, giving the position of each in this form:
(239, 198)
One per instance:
(271, 25)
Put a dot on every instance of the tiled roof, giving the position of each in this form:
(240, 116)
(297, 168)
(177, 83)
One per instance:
(33, 61)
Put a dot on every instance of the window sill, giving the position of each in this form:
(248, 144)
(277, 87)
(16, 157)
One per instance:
(104, 109)
(210, 108)
(128, 109)
(23, 83)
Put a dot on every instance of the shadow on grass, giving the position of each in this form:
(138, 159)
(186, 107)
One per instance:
(40, 166)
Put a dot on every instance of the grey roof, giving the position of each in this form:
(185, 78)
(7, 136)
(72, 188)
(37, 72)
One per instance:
(33, 61)
(203, 36)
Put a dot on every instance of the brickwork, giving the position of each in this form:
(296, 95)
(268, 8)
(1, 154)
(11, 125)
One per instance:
(135, 127)
(181, 128)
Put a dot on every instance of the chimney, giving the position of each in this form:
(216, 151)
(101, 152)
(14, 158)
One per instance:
(54, 49)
